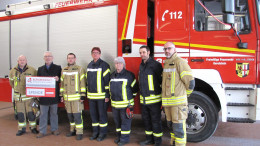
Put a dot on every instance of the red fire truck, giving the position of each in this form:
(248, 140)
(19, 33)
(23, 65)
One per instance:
(218, 38)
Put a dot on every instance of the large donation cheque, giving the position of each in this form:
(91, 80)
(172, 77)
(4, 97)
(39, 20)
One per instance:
(40, 86)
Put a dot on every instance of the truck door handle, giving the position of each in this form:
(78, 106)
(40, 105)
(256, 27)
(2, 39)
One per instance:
(197, 60)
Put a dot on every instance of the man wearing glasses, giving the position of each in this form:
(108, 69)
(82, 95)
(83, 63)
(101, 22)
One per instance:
(98, 76)
(49, 104)
(178, 83)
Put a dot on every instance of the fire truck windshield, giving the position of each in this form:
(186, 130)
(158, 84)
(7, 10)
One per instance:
(258, 9)
(205, 22)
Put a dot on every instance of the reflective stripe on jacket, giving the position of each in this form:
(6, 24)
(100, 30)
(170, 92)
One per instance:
(73, 84)
(123, 88)
(17, 80)
(150, 79)
(177, 83)
(98, 76)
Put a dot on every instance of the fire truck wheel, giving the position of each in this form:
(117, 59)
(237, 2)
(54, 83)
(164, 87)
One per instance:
(202, 118)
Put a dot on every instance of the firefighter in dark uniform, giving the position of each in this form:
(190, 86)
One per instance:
(22, 102)
(123, 89)
(177, 85)
(98, 76)
(150, 79)
(73, 93)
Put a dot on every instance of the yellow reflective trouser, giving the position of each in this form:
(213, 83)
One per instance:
(177, 115)
(74, 110)
(24, 110)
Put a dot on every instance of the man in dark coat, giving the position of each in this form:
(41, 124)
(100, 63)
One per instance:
(49, 104)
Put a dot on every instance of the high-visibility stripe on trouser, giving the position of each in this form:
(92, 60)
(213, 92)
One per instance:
(123, 123)
(148, 132)
(118, 129)
(72, 127)
(172, 139)
(32, 124)
(24, 111)
(180, 133)
(21, 125)
(126, 132)
(158, 134)
(78, 122)
(95, 124)
(98, 115)
(103, 125)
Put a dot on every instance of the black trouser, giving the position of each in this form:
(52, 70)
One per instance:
(123, 124)
(151, 115)
(98, 113)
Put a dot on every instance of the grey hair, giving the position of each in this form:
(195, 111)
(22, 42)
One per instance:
(21, 56)
(120, 60)
(47, 52)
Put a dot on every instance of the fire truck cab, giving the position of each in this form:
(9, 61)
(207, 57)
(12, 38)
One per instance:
(218, 38)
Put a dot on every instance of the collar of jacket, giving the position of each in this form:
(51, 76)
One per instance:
(97, 63)
(50, 65)
(71, 66)
(122, 72)
(148, 60)
(170, 60)
(24, 69)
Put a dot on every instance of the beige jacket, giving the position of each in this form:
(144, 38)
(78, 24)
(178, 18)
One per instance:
(17, 80)
(73, 84)
(178, 82)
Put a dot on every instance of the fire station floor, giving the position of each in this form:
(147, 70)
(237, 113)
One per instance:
(227, 134)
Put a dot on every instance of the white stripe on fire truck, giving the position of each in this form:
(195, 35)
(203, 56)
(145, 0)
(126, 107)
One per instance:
(131, 24)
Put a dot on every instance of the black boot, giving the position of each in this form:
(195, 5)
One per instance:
(94, 136)
(117, 140)
(34, 131)
(79, 136)
(149, 140)
(71, 134)
(120, 143)
(101, 137)
(20, 132)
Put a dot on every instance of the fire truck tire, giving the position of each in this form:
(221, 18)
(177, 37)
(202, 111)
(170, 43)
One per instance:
(202, 118)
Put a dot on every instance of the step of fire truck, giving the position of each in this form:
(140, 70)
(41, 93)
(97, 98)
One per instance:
(241, 101)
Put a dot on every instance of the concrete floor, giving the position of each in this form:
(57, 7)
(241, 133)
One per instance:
(227, 134)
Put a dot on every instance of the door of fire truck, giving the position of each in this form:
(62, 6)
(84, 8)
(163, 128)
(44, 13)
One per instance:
(224, 66)
(171, 24)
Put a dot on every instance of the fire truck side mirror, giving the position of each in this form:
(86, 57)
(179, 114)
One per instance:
(228, 8)
(127, 46)
(242, 45)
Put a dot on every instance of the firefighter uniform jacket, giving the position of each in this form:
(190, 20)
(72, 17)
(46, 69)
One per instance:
(177, 83)
(73, 85)
(150, 79)
(123, 88)
(98, 76)
(18, 81)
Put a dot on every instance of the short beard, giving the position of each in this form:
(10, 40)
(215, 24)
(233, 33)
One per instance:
(168, 56)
